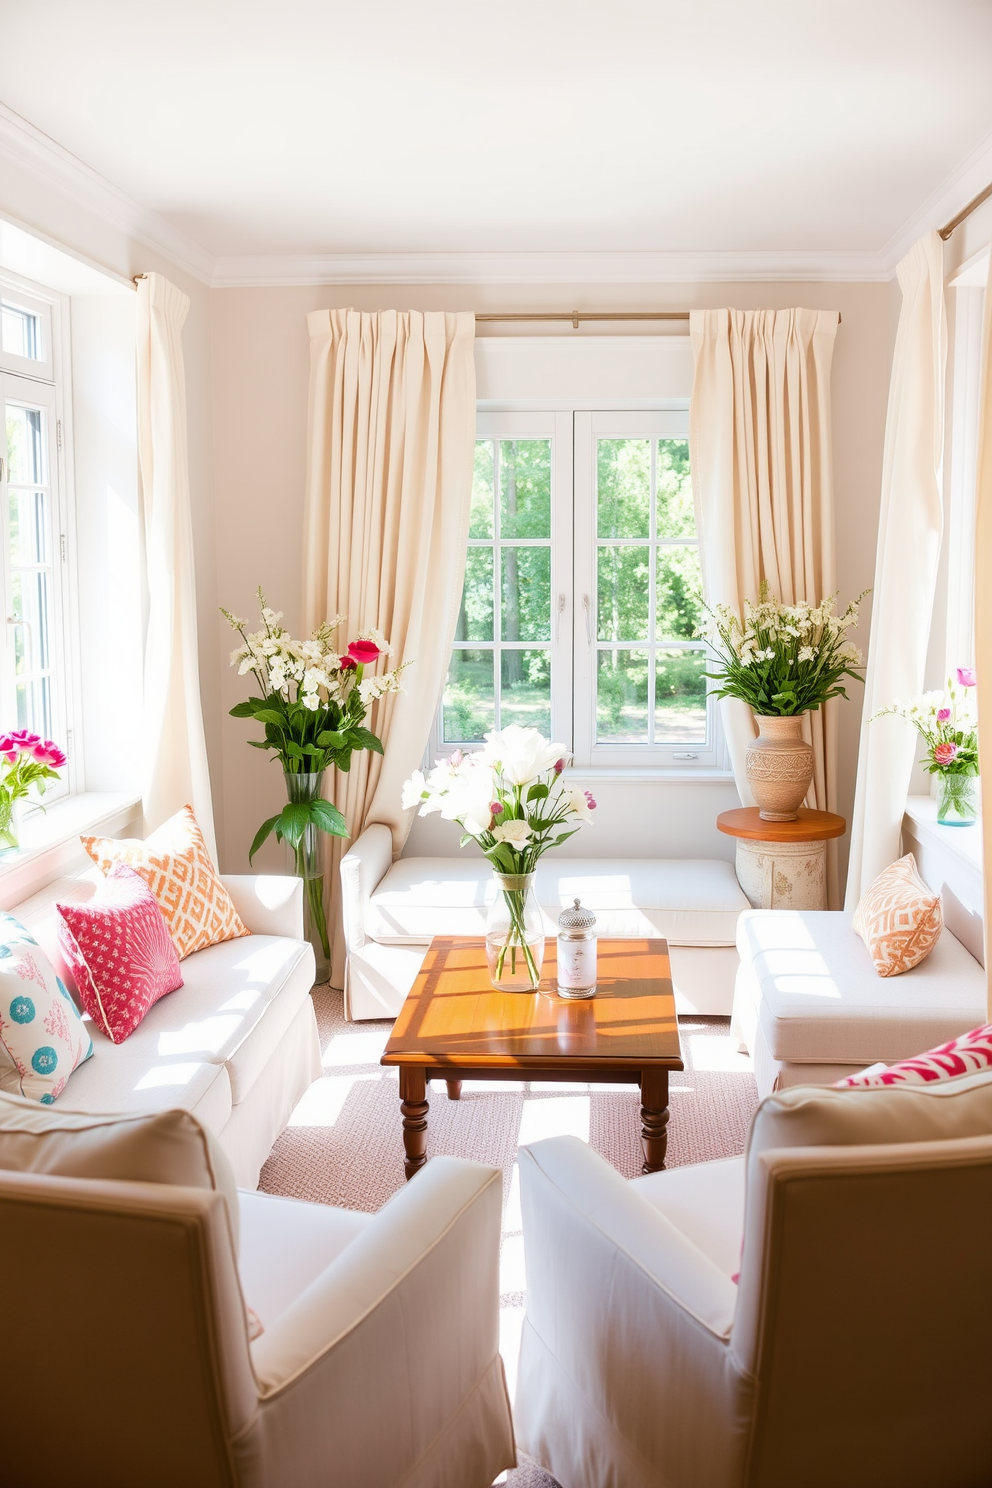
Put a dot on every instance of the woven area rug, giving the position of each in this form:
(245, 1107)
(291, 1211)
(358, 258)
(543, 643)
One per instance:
(344, 1146)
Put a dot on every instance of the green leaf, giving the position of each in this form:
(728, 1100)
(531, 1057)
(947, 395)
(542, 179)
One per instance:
(269, 715)
(292, 822)
(260, 744)
(263, 832)
(330, 739)
(245, 710)
(537, 792)
(328, 818)
(293, 750)
(365, 739)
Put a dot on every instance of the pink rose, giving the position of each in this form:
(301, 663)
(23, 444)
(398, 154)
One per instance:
(943, 714)
(8, 749)
(363, 652)
(944, 753)
(24, 739)
(589, 799)
(559, 766)
(496, 807)
(967, 676)
(347, 664)
(48, 753)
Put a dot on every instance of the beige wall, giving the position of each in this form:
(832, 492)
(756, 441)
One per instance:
(259, 361)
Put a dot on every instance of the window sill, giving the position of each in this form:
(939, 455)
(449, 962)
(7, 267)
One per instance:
(964, 843)
(704, 774)
(50, 845)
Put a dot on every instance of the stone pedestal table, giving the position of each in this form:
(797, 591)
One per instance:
(782, 865)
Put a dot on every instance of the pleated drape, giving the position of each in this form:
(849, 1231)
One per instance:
(391, 449)
(176, 772)
(760, 445)
(909, 532)
(983, 611)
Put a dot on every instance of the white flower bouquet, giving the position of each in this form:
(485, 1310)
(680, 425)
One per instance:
(783, 660)
(511, 799)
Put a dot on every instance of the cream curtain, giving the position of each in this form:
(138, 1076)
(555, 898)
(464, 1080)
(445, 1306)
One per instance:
(909, 532)
(760, 440)
(176, 773)
(983, 611)
(392, 439)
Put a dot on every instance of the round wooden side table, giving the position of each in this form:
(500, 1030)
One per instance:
(782, 865)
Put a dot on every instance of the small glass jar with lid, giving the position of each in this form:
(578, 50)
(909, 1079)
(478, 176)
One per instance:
(576, 952)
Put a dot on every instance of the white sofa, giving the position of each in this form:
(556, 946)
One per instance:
(236, 1045)
(810, 1008)
(392, 910)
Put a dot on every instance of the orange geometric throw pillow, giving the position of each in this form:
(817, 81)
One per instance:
(899, 918)
(176, 866)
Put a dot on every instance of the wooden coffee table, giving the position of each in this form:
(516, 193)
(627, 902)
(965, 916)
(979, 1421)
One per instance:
(454, 1024)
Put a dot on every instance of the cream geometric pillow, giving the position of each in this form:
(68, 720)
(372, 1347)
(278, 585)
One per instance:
(899, 918)
(176, 866)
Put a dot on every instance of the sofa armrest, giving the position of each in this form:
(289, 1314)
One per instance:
(627, 1322)
(363, 868)
(269, 904)
(397, 1339)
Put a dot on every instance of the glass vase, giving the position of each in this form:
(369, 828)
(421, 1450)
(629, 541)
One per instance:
(10, 826)
(307, 862)
(515, 934)
(957, 800)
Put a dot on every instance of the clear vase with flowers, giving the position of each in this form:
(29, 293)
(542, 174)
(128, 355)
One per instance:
(947, 722)
(312, 703)
(509, 797)
(27, 763)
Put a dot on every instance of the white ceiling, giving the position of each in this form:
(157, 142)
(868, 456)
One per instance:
(350, 127)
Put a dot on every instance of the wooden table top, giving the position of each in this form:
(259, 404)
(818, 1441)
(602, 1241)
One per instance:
(809, 826)
(454, 1017)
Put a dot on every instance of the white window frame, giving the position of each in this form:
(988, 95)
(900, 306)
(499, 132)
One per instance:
(589, 428)
(573, 432)
(46, 382)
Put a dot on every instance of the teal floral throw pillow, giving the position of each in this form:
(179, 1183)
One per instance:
(42, 1036)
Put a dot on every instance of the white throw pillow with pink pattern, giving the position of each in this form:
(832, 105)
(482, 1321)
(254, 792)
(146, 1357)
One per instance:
(120, 951)
(968, 1054)
(42, 1036)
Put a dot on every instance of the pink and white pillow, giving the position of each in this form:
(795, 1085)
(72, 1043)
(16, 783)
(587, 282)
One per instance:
(968, 1054)
(42, 1037)
(120, 952)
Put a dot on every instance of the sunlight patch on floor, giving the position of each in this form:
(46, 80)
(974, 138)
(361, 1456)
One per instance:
(323, 1103)
(719, 1053)
(554, 1116)
(355, 1048)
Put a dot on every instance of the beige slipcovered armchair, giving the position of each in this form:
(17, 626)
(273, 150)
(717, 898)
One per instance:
(855, 1348)
(126, 1359)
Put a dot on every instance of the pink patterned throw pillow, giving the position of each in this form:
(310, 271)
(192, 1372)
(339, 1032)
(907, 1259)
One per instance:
(120, 951)
(966, 1055)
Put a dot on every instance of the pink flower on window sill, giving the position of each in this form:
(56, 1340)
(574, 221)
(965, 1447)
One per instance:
(945, 753)
(943, 714)
(47, 753)
(967, 676)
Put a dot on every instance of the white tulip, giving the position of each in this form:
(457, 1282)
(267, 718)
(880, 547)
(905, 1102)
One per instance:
(523, 754)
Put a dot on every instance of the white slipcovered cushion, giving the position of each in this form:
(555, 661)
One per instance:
(818, 1000)
(706, 1202)
(692, 901)
(237, 1000)
(285, 1245)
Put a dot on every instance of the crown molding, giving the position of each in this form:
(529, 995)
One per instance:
(25, 146)
(954, 192)
(541, 268)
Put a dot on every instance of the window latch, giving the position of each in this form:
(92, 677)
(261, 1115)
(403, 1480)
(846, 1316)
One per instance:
(587, 611)
(559, 611)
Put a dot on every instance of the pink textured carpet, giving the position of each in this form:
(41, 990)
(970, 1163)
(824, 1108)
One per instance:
(344, 1146)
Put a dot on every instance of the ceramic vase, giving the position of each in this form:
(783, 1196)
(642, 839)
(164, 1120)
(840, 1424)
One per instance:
(307, 862)
(515, 934)
(779, 767)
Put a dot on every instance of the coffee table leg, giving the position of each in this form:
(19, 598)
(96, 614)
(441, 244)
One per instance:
(654, 1118)
(454, 1089)
(413, 1104)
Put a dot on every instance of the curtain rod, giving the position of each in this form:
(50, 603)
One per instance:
(576, 315)
(976, 201)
